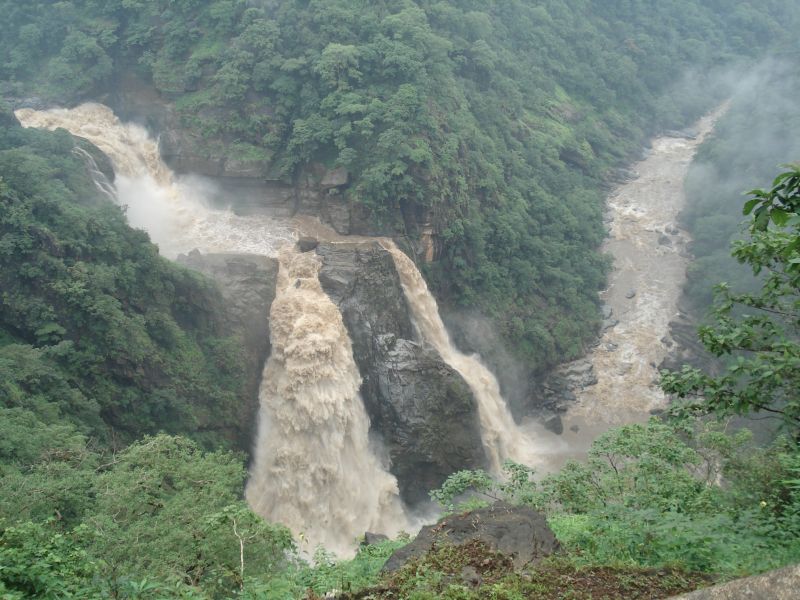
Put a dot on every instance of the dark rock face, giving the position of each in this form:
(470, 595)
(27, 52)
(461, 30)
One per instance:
(518, 532)
(307, 244)
(422, 408)
(247, 283)
(556, 391)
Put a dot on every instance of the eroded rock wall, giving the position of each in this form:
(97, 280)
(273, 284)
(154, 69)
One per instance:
(420, 407)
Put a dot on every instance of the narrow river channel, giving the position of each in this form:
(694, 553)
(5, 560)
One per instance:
(650, 254)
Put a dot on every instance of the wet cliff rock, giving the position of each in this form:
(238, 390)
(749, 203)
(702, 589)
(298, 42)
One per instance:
(421, 408)
(247, 283)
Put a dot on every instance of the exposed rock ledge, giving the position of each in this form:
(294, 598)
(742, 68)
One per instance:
(518, 532)
(783, 584)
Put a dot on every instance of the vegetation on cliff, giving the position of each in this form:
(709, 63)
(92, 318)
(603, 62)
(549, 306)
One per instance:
(99, 335)
(500, 119)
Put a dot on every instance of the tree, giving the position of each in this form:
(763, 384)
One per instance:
(759, 332)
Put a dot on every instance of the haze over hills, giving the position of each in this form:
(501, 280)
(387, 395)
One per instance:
(445, 166)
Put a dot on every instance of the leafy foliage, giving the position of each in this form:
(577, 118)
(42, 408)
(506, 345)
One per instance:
(161, 508)
(655, 495)
(760, 330)
(497, 122)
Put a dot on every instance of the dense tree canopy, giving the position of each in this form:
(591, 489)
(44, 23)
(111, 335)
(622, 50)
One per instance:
(498, 120)
(96, 329)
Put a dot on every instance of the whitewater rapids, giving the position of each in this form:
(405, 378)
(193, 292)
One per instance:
(175, 211)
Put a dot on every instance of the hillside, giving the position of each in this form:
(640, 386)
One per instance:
(97, 331)
(497, 124)
(493, 130)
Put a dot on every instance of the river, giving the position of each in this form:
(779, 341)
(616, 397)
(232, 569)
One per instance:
(650, 253)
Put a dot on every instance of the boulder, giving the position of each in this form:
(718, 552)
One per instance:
(419, 406)
(783, 584)
(518, 532)
(307, 244)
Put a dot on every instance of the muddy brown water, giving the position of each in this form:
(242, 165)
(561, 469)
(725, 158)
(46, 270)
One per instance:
(650, 254)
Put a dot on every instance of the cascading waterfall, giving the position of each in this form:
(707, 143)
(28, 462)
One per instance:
(502, 438)
(313, 469)
(173, 211)
(101, 181)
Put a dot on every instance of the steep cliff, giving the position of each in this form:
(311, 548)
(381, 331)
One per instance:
(421, 408)
(247, 284)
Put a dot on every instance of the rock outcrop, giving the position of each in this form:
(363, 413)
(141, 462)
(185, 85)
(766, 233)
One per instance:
(421, 408)
(518, 532)
(247, 283)
(783, 584)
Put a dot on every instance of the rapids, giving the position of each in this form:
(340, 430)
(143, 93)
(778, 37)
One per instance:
(651, 254)
(175, 211)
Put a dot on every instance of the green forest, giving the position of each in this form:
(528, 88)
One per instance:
(504, 120)
(746, 147)
(121, 386)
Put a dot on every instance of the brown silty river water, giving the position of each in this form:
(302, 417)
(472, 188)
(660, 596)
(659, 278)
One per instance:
(650, 254)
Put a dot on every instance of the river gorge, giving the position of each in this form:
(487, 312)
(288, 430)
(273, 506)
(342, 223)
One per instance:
(364, 395)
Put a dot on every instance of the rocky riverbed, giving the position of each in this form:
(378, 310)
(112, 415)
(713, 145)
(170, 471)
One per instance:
(618, 381)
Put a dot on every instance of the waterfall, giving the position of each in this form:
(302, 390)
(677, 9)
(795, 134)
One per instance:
(174, 211)
(502, 438)
(101, 182)
(313, 469)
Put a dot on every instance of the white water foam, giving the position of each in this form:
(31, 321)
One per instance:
(174, 211)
